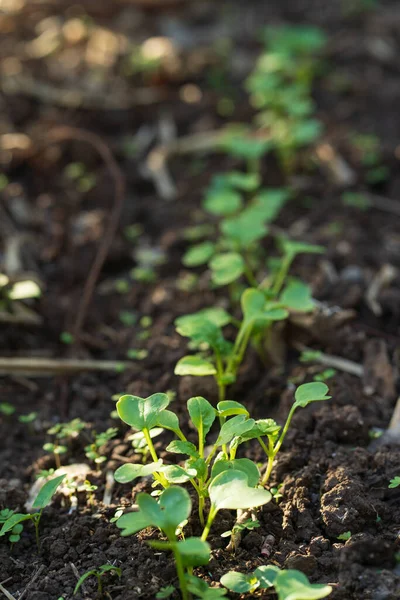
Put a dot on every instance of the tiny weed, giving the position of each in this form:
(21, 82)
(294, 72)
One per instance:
(98, 573)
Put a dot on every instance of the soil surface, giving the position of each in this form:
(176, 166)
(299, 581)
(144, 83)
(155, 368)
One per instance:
(334, 476)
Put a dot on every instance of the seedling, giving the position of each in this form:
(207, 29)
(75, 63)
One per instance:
(61, 432)
(92, 451)
(325, 375)
(395, 482)
(344, 536)
(168, 515)
(7, 409)
(289, 584)
(99, 574)
(289, 62)
(239, 527)
(15, 533)
(227, 482)
(219, 357)
(165, 592)
(43, 498)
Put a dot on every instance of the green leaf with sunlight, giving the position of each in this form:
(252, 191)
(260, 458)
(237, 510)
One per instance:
(194, 365)
(141, 413)
(310, 392)
(297, 296)
(199, 254)
(130, 472)
(222, 201)
(230, 490)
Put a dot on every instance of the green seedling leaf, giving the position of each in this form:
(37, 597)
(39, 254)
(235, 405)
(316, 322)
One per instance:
(226, 268)
(245, 229)
(187, 324)
(262, 427)
(201, 590)
(168, 420)
(194, 552)
(199, 254)
(199, 464)
(246, 182)
(13, 521)
(133, 522)
(310, 392)
(202, 414)
(268, 203)
(242, 145)
(222, 201)
(205, 331)
(180, 447)
(128, 473)
(230, 490)
(292, 248)
(239, 582)
(294, 585)
(256, 309)
(176, 474)
(47, 491)
(194, 365)
(240, 464)
(395, 482)
(306, 131)
(266, 575)
(297, 296)
(173, 508)
(141, 413)
(228, 408)
(344, 536)
(234, 428)
(165, 592)
(295, 39)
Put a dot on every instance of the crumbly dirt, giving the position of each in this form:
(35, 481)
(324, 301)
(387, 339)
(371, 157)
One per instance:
(333, 478)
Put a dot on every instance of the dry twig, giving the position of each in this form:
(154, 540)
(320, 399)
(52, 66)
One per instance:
(71, 133)
(43, 367)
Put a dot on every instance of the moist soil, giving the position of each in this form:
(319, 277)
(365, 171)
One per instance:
(334, 477)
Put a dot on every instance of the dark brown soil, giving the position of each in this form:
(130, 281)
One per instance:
(333, 479)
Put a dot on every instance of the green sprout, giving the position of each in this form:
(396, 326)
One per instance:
(221, 358)
(168, 515)
(165, 592)
(248, 524)
(290, 62)
(7, 409)
(344, 536)
(225, 481)
(93, 450)
(43, 498)
(62, 432)
(289, 584)
(15, 532)
(395, 482)
(99, 574)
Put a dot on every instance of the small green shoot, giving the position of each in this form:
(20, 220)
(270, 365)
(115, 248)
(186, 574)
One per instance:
(99, 574)
(43, 498)
(395, 482)
(93, 450)
(288, 584)
(344, 536)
